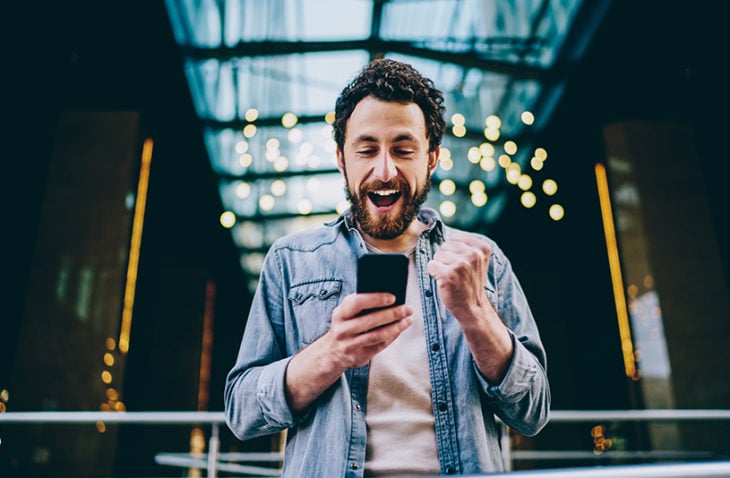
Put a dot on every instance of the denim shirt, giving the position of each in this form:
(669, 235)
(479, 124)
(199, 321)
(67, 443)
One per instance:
(304, 277)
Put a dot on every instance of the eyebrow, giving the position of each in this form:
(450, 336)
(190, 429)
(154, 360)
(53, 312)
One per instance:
(366, 138)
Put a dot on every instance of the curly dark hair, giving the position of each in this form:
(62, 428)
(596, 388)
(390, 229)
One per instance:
(391, 80)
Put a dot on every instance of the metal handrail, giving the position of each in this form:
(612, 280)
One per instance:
(215, 419)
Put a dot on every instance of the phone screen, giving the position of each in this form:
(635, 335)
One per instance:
(383, 273)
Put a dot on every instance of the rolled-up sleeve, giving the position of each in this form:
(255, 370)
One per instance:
(522, 398)
(255, 394)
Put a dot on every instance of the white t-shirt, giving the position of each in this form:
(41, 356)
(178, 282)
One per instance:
(399, 414)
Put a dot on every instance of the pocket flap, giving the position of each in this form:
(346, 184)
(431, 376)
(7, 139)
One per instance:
(321, 290)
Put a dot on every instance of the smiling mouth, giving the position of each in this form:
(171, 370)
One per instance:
(385, 197)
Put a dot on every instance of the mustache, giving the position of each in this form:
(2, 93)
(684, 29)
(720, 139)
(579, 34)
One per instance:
(395, 183)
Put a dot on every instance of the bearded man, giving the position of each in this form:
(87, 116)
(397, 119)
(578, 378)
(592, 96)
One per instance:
(410, 389)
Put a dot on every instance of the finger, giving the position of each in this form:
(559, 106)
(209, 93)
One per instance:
(383, 317)
(352, 305)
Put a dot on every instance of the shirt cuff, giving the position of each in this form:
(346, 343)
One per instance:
(271, 395)
(518, 379)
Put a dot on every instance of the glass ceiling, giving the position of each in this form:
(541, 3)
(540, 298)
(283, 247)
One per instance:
(264, 76)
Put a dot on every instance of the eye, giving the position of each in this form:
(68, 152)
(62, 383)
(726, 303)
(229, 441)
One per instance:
(366, 151)
(404, 153)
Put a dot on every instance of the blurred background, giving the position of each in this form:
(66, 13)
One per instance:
(153, 150)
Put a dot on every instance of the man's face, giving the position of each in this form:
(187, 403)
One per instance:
(387, 165)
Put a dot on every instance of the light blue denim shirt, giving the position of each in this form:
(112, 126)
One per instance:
(304, 276)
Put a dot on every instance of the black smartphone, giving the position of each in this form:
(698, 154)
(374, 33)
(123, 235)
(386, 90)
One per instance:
(383, 273)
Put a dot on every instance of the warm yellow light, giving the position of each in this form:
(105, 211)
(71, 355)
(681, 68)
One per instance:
(527, 118)
(227, 219)
(108, 359)
(4, 395)
(512, 174)
(241, 147)
(528, 199)
(447, 208)
(100, 427)
(267, 202)
(243, 190)
(487, 163)
(525, 182)
(458, 119)
(249, 130)
(278, 187)
(510, 147)
(110, 344)
(493, 121)
(473, 155)
(549, 187)
(541, 154)
(492, 134)
(304, 206)
(504, 160)
(614, 262)
(251, 114)
(487, 149)
(288, 120)
(556, 212)
(135, 246)
(458, 130)
(447, 187)
(112, 394)
(445, 153)
(272, 143)
(446, 164)
(282, 163)
(106, 377)
(245, 160)
(329, 118)
(477, 186)
(479, 199)
(536, 163)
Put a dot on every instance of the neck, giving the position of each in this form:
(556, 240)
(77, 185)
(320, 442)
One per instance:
(400, 244)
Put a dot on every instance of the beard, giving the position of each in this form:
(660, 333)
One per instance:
(386, 226)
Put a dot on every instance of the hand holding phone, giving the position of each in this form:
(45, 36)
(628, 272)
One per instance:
(383, 273)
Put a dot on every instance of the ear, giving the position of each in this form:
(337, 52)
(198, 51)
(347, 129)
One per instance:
(340, 161)
(433, 160)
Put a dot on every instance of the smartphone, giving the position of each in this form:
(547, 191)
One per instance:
(383, 273)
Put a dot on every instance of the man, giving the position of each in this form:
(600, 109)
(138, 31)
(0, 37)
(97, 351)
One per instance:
(405, 390)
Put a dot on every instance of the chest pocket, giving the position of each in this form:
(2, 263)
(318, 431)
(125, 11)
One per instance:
(313, 303)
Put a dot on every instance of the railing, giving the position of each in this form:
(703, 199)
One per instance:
(215, 461)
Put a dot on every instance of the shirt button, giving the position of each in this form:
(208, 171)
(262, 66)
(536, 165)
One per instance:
(428, 293)
(357, 407)
(450, 470)
(442, 407)
(435, 347)
(354, 466)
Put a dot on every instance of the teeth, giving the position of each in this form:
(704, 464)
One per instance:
(386, 192)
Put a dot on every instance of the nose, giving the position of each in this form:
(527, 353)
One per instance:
(385, 169)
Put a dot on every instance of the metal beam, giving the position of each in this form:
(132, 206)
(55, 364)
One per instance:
(472, 58)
